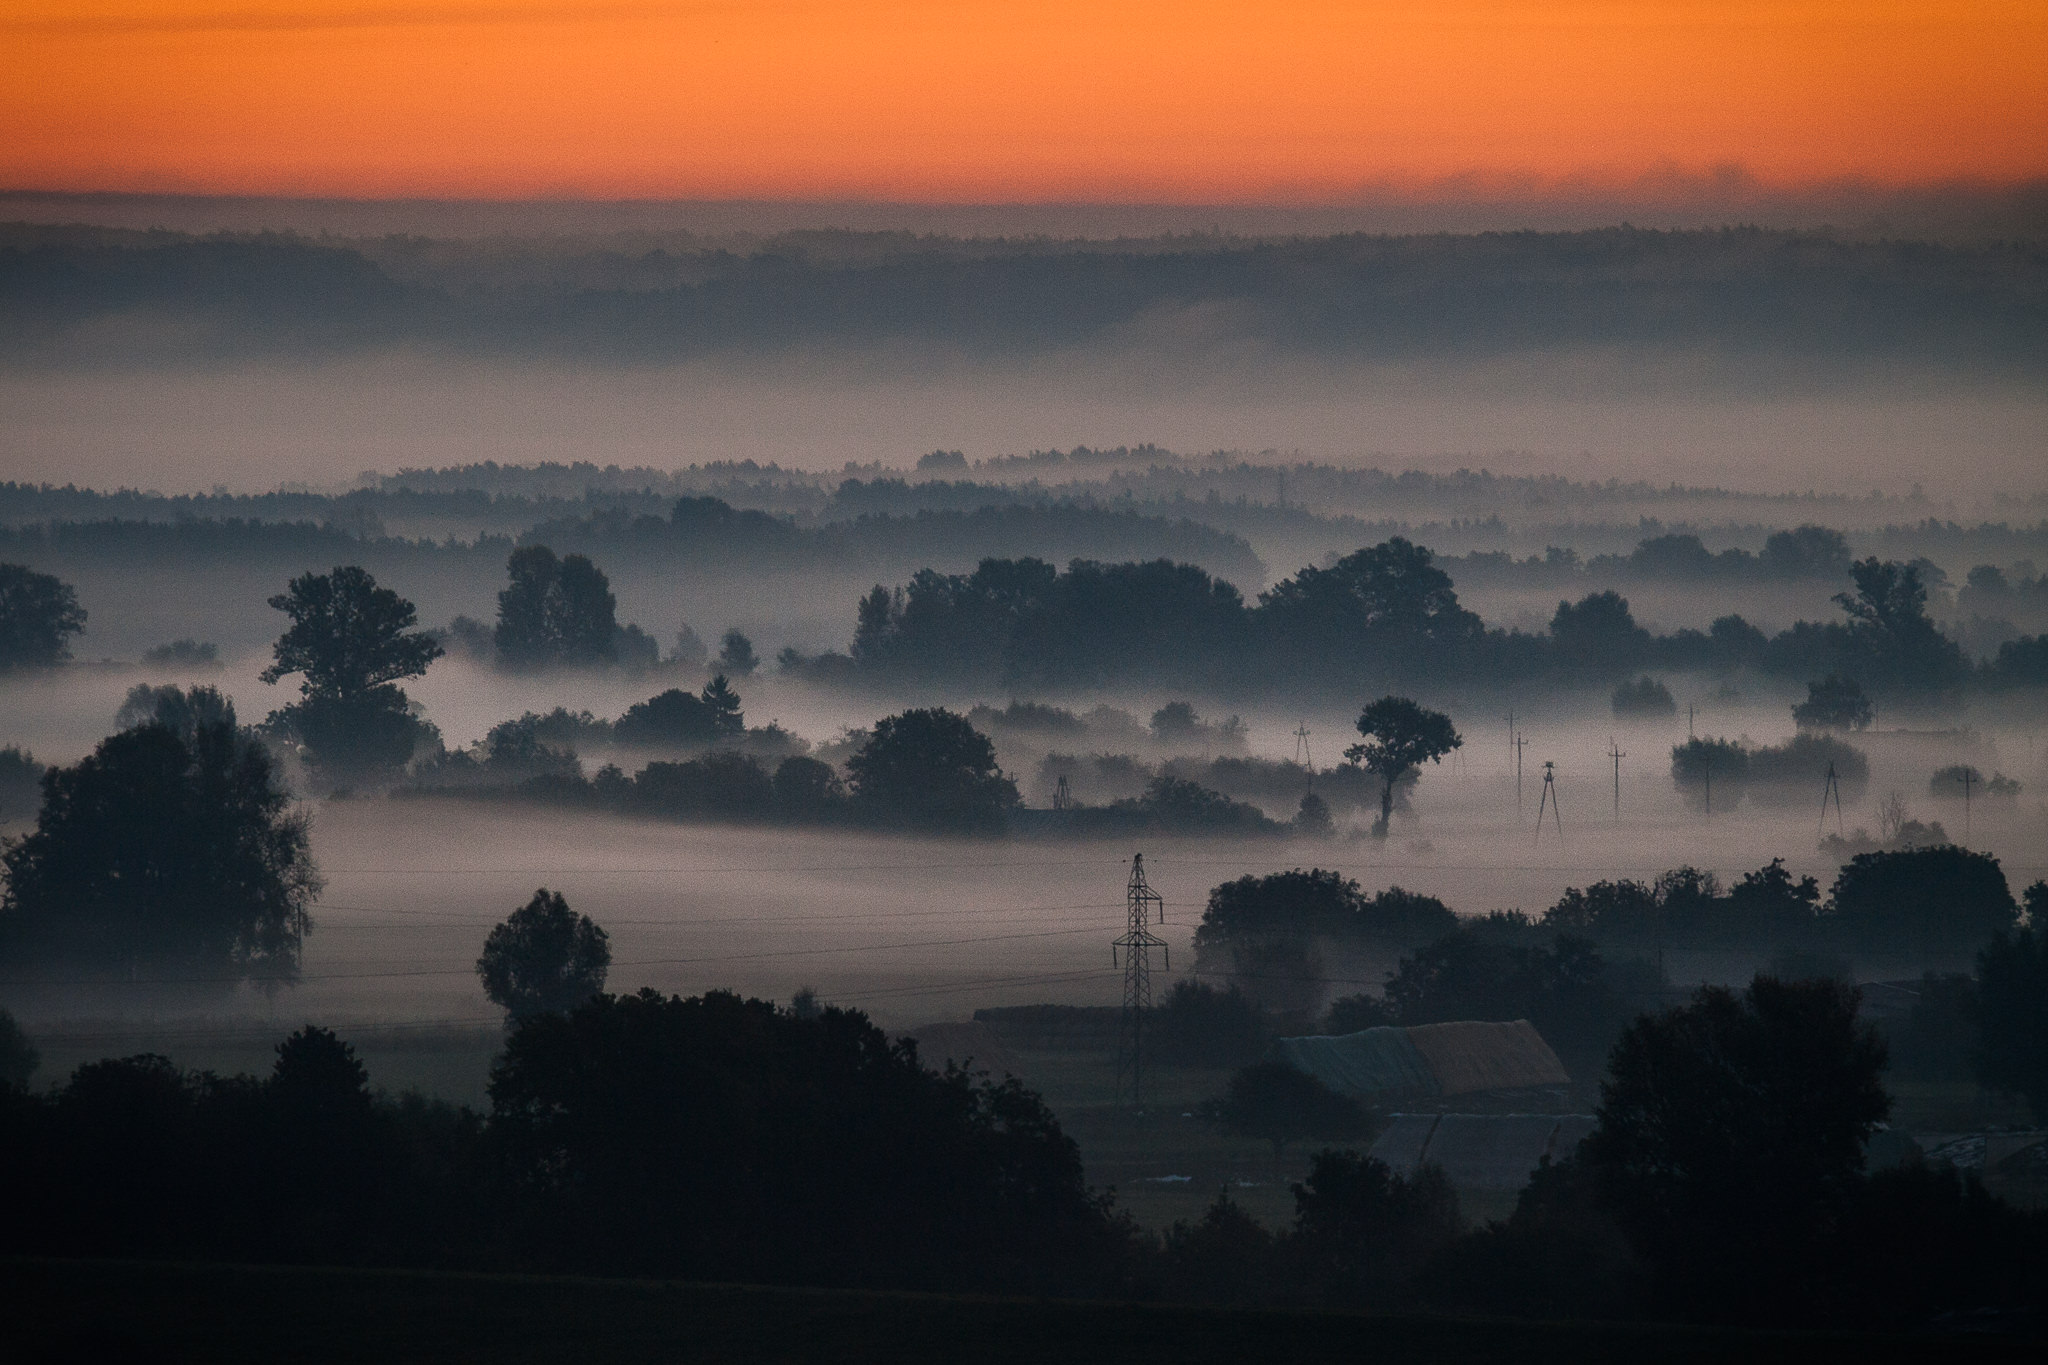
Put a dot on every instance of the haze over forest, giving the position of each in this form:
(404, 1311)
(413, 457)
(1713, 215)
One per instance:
(440, 622)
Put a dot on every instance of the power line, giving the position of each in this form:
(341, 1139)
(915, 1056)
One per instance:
(1142, 905)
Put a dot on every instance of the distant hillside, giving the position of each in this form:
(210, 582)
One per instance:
(91, 292)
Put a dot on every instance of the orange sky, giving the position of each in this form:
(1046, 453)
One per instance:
(1003, 100)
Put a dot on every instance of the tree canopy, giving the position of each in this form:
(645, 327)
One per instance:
(555, 611)
(1833, 703)
(717, 1137)
(39, 613)
(351, 642)
(931, 768)
(1400, 736)
(544, 957)
(1924, 902)
(1737, 1121)
(164, 850)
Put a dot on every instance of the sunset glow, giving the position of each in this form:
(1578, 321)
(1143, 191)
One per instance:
(1004, 100)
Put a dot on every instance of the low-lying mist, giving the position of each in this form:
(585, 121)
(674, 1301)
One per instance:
(254, 426)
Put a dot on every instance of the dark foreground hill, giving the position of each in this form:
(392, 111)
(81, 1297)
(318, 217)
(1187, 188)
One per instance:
(66, 1311)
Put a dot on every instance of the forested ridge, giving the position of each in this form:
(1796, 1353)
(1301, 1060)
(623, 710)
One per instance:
(1774, 292)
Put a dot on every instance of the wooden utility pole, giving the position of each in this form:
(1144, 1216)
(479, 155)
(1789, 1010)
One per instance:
(1617, 753)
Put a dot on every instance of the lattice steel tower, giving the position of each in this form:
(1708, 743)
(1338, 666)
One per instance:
(1143, 907)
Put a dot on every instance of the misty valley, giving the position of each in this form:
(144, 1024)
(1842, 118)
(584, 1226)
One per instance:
(719, 873)
(878, 794)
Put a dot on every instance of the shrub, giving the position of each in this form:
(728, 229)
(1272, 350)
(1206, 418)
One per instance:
(1643, 697)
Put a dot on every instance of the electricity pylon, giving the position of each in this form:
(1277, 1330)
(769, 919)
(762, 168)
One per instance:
(1831, 792)
(1142, 906)
(1549, 800)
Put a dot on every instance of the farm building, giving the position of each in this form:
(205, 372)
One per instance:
(1428, 1061)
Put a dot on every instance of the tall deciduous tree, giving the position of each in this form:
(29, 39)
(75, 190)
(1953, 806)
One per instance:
(1833, 703)
(164, 849)
(544, 957)
(1400, 737)
(1890, 635)
(351, 642)
(1731, 1138)
(555, 611)
(931, 768)
(39, 613)
(2012, 976)
(1273, 1101)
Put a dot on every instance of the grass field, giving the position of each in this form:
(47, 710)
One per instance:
(71, 1311)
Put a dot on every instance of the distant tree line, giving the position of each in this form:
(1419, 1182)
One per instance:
(1384, 617)
(1357, 295)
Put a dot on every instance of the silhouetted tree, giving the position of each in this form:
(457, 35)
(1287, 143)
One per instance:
(1598, 633)
(21, 783)
(1312, 818)
(1275, 1103)
(1356, 1013)
(179, 711)
(555, 611)
(185, 653)
(872, 620)
(1890, 633)
(1562, 987)
(544, 957)
(39, 613)
(1319, 902)
(1400, 737)
(1833, 703)
(1199, 1025)
(1360, 1230)
(1923, 902)
(1730, 1140)
(931, 768)
(1225, 1257)
(690, 650)
(1806, 552)
(725, 1138)
(351, 642)
(736, 655)
(723, 704)
(1388, 608)
(1176, 722)
(18, 1057)
(806, 788)
(1769, 904)
(2012, 1010)
(1712, 774)
(1643, 697)
(154, 849)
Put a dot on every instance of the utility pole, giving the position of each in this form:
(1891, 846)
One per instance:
(1688, 723)
(1549, 800)
(1142, 906)
(1617, 753)
(1301, 753)
(1832, 791)
(1968, 777)
(1063, 795)
(1520, 744)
